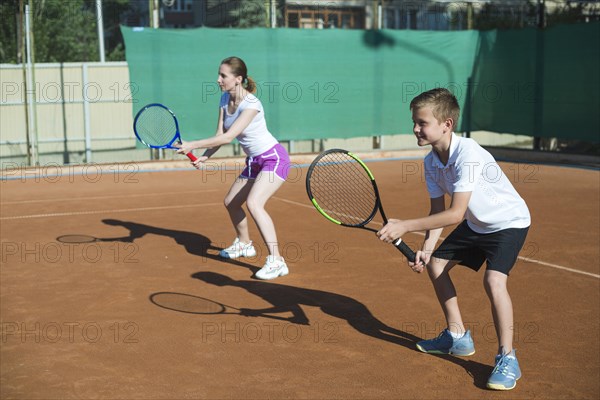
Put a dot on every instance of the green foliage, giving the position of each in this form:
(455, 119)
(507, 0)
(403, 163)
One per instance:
(499, 16)
(248, 14)
(496, 15)
(574, 11)
(63, 30)
(9, 11)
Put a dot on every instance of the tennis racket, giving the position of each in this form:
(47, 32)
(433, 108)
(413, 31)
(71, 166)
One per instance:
(156, 127)
(189, 304)
(343, 190)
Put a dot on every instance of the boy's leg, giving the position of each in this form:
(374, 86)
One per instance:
(439, 273)
(455, 339)
(502, 250)
(495, 284)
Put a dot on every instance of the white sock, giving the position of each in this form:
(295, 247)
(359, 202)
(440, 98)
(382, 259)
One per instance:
(456, 335)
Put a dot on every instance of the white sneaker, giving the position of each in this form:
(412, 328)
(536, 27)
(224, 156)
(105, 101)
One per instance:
(238, 249)
(272, 269)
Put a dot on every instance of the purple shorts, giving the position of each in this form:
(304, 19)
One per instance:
(276, 160)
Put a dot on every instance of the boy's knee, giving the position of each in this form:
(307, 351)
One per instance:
(436, 267)
(494, 283)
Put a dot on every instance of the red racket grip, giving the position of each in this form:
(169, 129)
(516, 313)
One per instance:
(191, 156)
(407, 251)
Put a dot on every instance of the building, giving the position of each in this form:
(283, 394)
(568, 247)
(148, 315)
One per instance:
(349, 14)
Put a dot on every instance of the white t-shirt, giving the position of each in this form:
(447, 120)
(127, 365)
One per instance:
(495, 204)
(256, 138)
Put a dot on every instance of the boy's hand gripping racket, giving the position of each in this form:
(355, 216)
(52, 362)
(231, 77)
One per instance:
(156, 127)
(343, 190)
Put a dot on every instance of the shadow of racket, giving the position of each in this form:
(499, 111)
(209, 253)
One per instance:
(78, 239)
(189, 304)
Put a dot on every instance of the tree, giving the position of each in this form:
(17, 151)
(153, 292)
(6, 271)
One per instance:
(574, 11)
(9, 20)
(63, 30)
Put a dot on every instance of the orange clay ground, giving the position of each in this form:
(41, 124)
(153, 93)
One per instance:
(84, 320)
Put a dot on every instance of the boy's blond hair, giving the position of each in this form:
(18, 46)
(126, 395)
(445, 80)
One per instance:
(442, 102)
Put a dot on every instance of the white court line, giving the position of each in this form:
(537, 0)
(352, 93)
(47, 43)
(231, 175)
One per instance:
(105, 197)
(526, 259)
(74, 213)
(531, 260)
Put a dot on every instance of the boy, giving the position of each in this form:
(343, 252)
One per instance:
(496, 221)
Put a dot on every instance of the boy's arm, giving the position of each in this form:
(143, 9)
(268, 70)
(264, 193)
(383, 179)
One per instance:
(395, 228)
(432, 236)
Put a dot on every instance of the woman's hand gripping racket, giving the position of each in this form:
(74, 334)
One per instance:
(156, 127)
(343, 190)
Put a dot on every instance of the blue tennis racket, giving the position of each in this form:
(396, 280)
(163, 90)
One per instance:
(156, 127)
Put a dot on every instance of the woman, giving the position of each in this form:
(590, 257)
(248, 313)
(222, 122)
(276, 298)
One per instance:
(241, 117)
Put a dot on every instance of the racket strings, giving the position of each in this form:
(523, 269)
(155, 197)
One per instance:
(156, 126)
(343, 189)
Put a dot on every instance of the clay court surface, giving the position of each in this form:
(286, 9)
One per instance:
(119, 319)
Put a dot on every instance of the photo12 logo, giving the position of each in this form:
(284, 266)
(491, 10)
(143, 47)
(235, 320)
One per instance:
(58, 253)
(125, 332)
(70, 173)
(268, 332)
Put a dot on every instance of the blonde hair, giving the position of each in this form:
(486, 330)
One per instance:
(238, 68)
(443, 104)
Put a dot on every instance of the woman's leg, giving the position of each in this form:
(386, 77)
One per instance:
(235, 198)
(265, 186)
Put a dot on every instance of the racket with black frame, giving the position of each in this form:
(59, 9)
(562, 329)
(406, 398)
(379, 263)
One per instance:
(343, 190)
(156, 126)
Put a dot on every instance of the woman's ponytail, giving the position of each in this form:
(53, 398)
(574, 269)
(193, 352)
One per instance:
(250, 85)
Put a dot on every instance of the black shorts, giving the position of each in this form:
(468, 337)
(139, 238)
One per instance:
(471, 249)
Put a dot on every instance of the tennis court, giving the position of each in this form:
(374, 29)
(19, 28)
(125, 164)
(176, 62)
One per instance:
(85, 319)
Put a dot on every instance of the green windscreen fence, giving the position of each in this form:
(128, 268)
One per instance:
(352, 83)
(538, 83)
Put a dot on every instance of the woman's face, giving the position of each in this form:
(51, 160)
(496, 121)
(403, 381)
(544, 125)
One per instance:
(227, 80)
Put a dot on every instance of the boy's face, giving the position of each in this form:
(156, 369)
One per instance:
(427, 128)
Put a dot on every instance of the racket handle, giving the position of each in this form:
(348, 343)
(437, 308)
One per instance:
(404, 249)
(191, 156)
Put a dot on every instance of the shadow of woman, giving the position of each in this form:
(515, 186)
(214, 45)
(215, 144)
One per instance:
(194, 243)
(290, 299)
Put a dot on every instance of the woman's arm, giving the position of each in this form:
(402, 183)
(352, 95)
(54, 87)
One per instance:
(210, 151)
(227, 137)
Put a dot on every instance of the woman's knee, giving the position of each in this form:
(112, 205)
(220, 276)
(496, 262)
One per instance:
(254, 205)
(232, 203)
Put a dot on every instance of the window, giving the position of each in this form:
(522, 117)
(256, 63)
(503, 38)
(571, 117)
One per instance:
(320, 17)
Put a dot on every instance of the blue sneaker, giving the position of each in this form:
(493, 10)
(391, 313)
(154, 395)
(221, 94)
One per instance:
(505, 373)
(446, 344)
